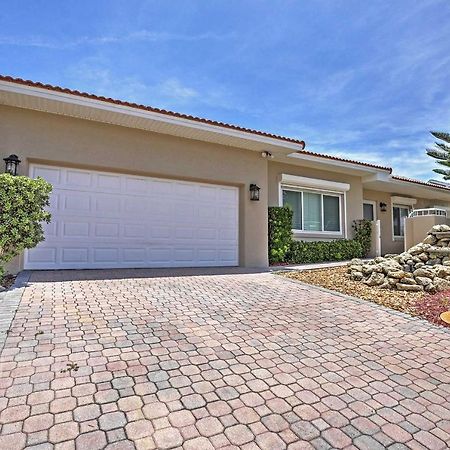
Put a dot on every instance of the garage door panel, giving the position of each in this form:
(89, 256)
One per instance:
(109, 183)
(77, 179)
(79, 255)
(75, 230)
(108, 220)
(43, 255)
(51, 174)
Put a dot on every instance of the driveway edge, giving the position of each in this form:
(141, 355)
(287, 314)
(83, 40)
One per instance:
(9, 302)
(369, 303)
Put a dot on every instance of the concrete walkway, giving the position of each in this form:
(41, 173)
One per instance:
(122, 360)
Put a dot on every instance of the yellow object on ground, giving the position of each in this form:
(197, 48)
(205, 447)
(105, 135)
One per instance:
(445, 316)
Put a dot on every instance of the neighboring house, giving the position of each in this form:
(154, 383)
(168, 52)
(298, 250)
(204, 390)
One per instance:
(136, 186)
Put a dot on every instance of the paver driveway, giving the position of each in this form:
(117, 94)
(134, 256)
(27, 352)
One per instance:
(224, 361)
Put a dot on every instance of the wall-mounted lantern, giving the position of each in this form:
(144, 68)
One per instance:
(383, 207)
(254, 192)
(11, 164)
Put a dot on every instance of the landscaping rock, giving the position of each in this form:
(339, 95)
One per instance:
(424, 281)
(375, 279)
(425, 266)
(409, 287)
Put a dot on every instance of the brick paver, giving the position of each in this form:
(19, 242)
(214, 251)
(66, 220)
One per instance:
(111, 360)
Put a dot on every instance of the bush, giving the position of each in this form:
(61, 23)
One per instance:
(363, 234)
(301, 252)
(22, 211)
(283, 249)
(280, 233)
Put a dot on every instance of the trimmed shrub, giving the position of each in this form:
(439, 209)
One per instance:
(363, 234)
(280, 233)
(283, 249)
(22, 211)
(302, 252)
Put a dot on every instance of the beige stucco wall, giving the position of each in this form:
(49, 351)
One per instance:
(353, 196)
(388, 244)
(416, 228)
(47, 138)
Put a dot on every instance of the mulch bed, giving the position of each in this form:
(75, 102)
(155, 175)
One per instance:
(7, 281)
(336, 279)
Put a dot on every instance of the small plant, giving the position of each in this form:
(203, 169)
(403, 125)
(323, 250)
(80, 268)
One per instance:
(70, 366)
(430, 307)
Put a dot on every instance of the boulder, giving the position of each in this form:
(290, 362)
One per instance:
(438, 228)
(409, 287)
(430, 239)
(439, 251)
(356, 276)
(442, 271)
(375, 279)
(424, 272)
(424, 281)
(425, 266)
(433, 262)
(398, 274)
(443, 235)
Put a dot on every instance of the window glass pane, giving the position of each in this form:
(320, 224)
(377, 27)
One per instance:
(312, 209)
(403, 214)
(368, 211)
(399, 214)
(396, 219)
(294, 200)
(331, 217)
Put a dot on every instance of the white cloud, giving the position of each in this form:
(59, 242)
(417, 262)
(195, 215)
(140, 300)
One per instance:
(136, 36)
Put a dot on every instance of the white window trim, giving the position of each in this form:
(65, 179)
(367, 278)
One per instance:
(374, 204)
(396, 205)
(403, 201)
(314, 183)
(342, 196)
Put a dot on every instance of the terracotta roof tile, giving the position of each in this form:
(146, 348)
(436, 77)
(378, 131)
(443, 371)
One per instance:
(423, 183)
(188, 117)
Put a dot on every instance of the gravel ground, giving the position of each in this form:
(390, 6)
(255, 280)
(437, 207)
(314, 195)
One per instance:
(336, 279)
(7, 281)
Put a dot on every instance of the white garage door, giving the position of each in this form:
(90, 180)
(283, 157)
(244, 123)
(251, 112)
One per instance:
(108, 220)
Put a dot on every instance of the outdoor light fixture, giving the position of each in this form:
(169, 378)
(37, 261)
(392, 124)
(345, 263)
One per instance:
(266, 154)
(383, 207)
(254, 192)
(11, 164)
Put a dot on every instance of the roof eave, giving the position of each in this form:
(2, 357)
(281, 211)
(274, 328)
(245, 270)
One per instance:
(54, 101)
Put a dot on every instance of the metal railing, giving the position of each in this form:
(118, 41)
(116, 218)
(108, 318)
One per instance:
(428, 212)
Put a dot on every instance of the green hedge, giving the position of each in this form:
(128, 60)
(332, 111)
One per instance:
(283, 249)
(302, 252)
(280, 233)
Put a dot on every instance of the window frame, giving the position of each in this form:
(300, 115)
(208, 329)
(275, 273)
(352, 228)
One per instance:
(321, 192)
(374, 208)
(397, 205)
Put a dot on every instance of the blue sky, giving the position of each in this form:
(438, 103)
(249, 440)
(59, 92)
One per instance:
(360, 79)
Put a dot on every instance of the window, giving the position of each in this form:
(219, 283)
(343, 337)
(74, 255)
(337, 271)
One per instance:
(399, 213)
(369, 210)
(314, 212)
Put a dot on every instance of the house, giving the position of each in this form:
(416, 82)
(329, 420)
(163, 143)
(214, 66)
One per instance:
(135, 186)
